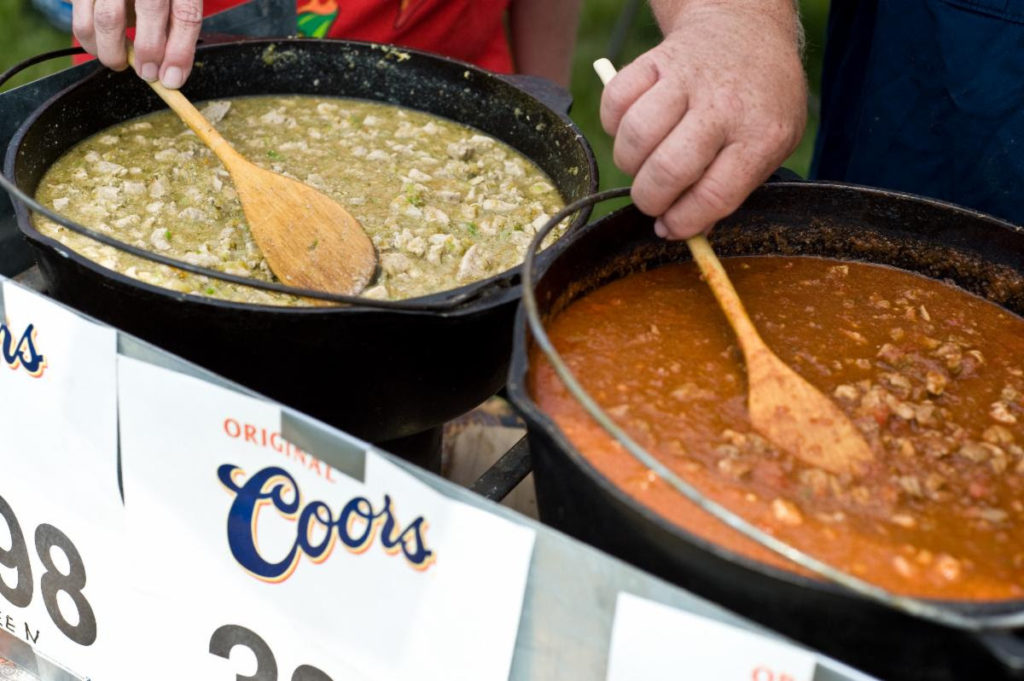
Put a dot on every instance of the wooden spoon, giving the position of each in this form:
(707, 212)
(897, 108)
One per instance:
(309, 239)
(783, 406)
(790, 412)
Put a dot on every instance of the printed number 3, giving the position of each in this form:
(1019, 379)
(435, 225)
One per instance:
(53, 581)
(228, 636)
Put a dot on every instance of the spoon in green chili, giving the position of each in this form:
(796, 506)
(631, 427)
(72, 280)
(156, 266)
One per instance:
(308, 239)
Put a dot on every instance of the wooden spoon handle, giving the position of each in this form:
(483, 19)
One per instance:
(717, 279)
(605, 70)
(193, 119)
(709, 264)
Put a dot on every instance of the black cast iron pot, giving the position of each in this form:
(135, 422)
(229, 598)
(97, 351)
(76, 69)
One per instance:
(941, 241)
(378, 372)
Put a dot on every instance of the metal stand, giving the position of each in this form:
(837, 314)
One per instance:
(256, 18)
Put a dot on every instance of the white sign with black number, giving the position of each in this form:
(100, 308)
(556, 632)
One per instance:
(60, 508)
(306, 571)
(655, 642)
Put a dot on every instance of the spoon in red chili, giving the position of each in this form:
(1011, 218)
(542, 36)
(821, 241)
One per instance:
(784, 407)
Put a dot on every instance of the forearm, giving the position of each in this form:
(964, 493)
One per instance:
(543, 36)
(784, 15)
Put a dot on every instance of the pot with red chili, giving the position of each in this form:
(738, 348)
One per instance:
(930, 373)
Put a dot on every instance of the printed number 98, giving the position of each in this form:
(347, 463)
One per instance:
(52, 582)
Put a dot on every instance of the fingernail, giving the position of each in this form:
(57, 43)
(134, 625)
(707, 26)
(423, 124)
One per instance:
(660, 229)
(150, 72)
(172, 78)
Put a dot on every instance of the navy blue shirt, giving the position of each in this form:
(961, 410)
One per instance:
(926, 96)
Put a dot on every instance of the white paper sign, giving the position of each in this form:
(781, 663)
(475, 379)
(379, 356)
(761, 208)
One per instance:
(240, 533)
(61, 515)
(655, 642)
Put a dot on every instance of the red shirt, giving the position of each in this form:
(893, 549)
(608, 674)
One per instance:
(470, 30)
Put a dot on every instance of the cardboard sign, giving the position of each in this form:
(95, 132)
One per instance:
(655, 642)
(250, 544)
(60, 508)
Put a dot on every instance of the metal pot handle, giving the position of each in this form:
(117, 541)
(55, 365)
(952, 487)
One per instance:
(555, 97)
(204, 39)
(38, 59)
(990, 624)
(1007, 648)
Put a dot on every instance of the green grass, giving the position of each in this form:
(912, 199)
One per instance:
(815, 16)
(24, 33)
(594, 41)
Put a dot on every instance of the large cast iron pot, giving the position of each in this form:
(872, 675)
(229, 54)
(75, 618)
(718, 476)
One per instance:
(377, 372)
(979, 253)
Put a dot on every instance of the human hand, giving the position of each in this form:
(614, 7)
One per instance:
(706, 116)
(166, 32)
